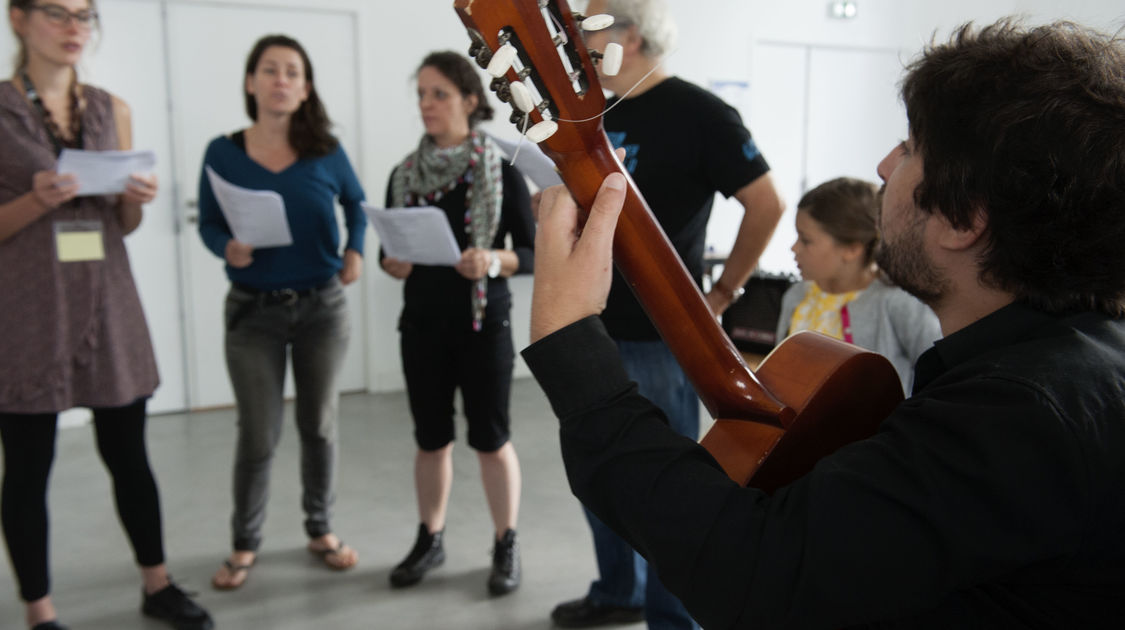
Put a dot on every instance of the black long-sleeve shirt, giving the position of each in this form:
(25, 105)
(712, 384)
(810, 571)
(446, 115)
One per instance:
(993, 497)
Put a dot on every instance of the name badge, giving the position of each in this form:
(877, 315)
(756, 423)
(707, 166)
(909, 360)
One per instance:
(79, 241)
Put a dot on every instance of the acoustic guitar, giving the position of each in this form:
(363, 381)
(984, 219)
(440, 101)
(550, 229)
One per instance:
(810, 396)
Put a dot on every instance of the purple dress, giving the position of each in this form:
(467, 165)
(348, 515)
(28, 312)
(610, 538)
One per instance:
(72, 334)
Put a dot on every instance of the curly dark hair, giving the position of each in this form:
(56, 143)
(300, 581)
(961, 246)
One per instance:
(848, 210)
(1028, 126)
(460, 72)
(309, 128)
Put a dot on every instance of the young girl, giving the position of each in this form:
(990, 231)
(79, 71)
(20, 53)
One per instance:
(842, 294)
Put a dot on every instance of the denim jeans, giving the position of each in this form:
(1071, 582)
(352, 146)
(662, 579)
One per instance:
(315, 330)
(625, 579)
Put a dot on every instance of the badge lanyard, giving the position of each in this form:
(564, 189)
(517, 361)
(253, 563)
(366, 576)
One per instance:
(33, 96)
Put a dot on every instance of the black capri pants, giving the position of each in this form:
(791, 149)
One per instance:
(441, 356)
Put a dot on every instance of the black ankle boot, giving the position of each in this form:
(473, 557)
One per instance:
(505, 576)
(426, 554)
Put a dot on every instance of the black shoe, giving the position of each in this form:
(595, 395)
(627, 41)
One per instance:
(505, 576)
(172, 605)
(49, 625)
(426, 554)
(582, 613)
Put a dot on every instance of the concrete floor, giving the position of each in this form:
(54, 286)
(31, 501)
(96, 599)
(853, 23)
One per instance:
(96, 585)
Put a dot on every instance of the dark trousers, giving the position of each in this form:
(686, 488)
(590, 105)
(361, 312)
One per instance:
(29, 450)
(438, 358)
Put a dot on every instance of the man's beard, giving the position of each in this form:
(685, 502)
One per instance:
(906, 264)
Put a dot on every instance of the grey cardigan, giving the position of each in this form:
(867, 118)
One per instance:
(884, 319)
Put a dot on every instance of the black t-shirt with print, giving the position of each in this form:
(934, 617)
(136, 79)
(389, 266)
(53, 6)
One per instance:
(683, 144)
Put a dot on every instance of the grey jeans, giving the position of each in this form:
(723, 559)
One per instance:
(259, 329)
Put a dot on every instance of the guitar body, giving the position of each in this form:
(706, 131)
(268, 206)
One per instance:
(840, 393)
(812, 395)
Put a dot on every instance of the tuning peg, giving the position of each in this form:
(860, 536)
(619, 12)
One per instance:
(483, 57)
(500, 86)
(611, 59)
(521, 96)
(478, 43)
(596, 22)
(542, 130)
(502, 60)
(518, 118)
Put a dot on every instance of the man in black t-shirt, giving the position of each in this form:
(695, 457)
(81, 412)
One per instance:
(682, 145)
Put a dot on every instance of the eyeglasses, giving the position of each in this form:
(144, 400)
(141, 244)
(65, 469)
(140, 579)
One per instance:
(59, 16)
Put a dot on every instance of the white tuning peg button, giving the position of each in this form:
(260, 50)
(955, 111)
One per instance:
(597, 22)
(542, 130)
(521, 96)
(611, 59)
(502, 60)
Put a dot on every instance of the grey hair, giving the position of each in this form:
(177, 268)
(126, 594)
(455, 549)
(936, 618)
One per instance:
(653, 21)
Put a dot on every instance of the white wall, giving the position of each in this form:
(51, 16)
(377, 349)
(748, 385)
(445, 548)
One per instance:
(718, 39)
(717, 42)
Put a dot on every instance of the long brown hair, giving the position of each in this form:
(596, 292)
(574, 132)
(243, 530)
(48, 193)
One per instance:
(309, 127)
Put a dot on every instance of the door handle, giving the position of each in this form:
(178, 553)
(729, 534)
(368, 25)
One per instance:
(191, 217)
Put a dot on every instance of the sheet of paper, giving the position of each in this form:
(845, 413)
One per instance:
(255, 217)
(531, 162)
(420, 235)
(104, 172)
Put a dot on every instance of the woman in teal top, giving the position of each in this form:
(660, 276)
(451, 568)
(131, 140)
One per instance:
(287, 297)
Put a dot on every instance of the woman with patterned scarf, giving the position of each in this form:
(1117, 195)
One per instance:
(455, 331)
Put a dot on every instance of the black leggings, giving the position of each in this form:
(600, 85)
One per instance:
(29, 449)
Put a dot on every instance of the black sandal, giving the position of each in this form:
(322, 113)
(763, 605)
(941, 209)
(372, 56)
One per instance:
(232, 571)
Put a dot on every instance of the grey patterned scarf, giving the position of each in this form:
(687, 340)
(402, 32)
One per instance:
(430, 172)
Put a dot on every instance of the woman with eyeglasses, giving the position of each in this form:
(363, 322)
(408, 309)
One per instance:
(455, 330)
(73, 331)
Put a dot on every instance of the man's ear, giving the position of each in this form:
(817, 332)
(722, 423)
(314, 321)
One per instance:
(965, 237)
(632, 42)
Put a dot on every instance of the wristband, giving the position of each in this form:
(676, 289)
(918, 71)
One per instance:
(731, 294)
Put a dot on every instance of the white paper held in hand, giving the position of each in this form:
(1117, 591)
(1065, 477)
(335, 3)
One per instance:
(420, 235)
(255, 217)
(104, 172)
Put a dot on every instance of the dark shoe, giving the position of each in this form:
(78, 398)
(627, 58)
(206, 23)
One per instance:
(49, 625)
(426, 554)
(505, 576)
(172, 605)
(582, 613)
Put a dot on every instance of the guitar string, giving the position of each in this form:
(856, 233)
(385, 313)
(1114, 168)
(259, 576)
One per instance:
(523, 131)
(659, 63)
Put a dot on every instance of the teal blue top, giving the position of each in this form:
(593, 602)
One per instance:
(310, 188)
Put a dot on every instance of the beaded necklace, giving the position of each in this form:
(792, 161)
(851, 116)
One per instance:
(53, 132)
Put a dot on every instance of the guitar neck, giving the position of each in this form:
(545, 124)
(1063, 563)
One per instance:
(645, 257)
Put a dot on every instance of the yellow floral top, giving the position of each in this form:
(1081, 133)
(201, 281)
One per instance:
(820, 311)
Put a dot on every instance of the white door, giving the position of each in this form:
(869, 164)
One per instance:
(207, 51)
(855, 115)
(821, 112)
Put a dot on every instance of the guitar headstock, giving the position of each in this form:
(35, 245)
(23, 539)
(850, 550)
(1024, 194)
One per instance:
(535, 51)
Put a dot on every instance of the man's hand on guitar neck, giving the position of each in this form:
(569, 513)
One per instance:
(573, 265)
